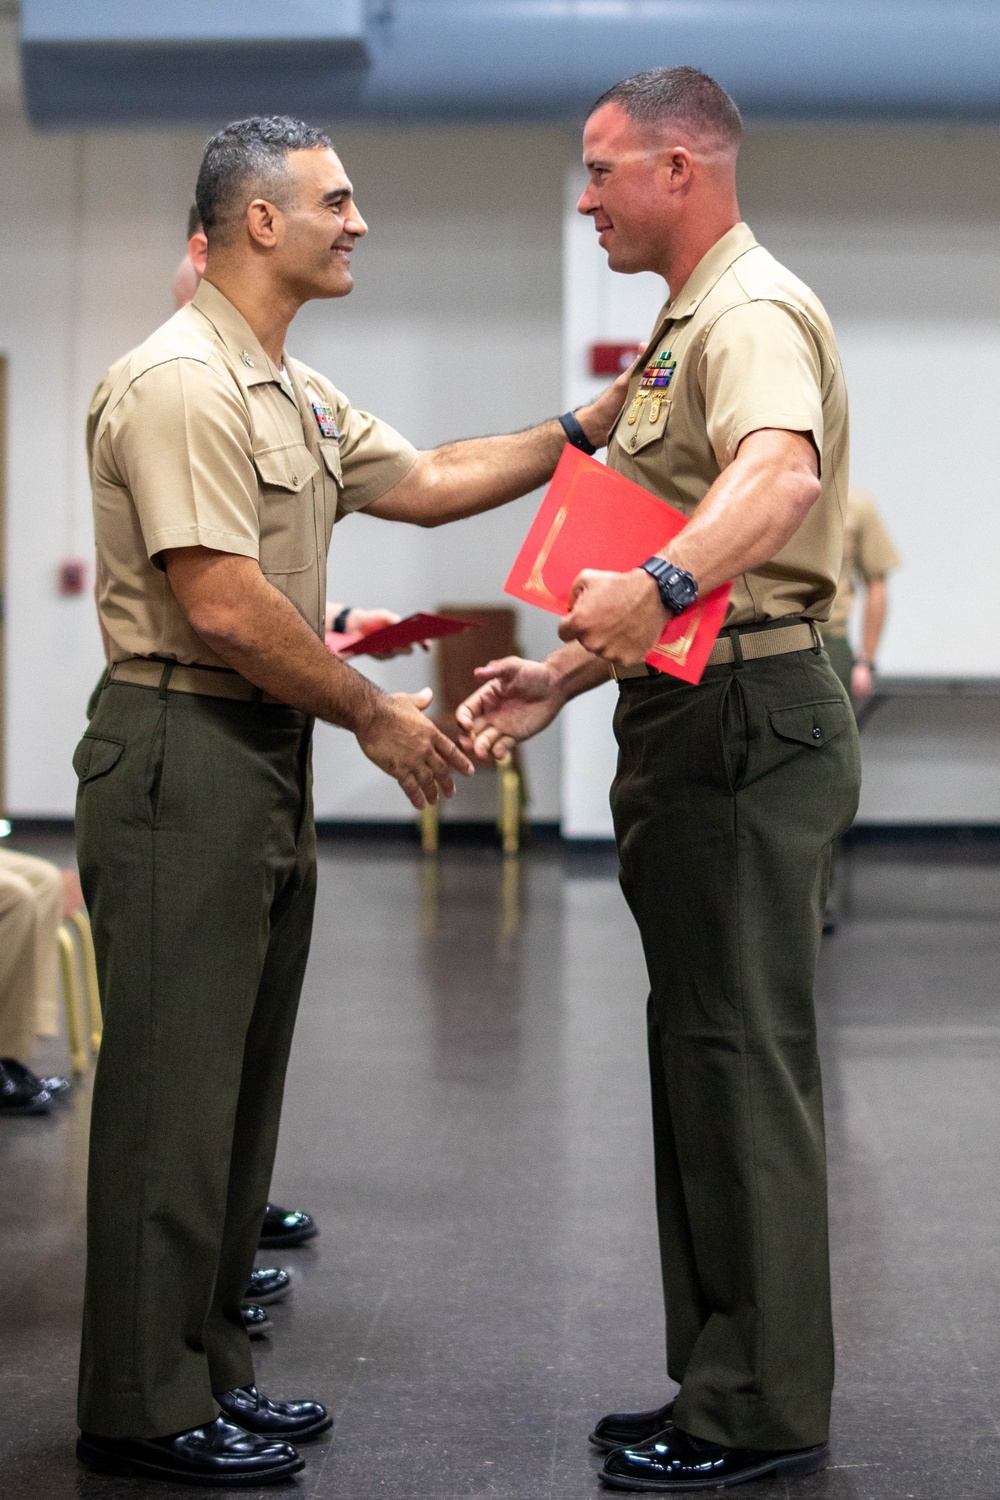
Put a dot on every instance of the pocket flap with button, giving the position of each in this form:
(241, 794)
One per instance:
(644, 430)
(331, 457)
(289, 467)
(814, 724)
(95, 756)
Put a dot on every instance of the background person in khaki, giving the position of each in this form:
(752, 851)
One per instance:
(220, 466)
(869, 558)
(728, 794)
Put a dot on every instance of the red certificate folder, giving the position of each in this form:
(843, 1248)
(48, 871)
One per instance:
(592, 517)
(406, 632)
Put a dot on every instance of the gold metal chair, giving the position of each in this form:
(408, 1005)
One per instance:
(78, 969)
(455, 660)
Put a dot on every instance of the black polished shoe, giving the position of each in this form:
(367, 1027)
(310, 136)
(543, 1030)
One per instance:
(270, 1285)
(622, 1429)
(20, 1098)
(18, 1071)
(676, 1462)
(256, 1321)
(284, 1227)
(297, 1420)
(217, 1453)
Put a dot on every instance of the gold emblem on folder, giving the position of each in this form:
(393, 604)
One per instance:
(677, 651)
(535, 582)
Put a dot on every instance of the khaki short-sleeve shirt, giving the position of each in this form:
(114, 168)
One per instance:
(868, 554)
(202, 441)
(743, 346)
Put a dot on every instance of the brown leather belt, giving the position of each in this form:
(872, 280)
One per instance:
(754, 645)
(206, 682)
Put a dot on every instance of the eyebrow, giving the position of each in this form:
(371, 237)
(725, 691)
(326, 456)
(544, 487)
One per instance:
(335, 193)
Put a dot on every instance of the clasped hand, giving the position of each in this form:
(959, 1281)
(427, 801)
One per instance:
(408, 746)
(616, 616)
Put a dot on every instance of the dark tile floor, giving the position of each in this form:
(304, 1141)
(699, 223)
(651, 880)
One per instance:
(467, 1118)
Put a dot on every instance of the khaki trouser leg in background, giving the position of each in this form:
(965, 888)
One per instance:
(726, 803)
(31, 901)
(197, 857)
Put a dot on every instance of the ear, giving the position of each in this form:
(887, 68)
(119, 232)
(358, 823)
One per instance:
(679, 165)
(265, 223)
(198, 251)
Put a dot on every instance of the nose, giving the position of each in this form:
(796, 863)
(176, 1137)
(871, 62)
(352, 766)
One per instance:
(587, 203)
(355, 224)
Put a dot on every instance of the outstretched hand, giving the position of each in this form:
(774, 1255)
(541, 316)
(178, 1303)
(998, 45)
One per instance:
(404, 743)
(517, 700)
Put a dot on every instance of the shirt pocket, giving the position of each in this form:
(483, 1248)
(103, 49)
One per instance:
(633, 437)
(287, 523)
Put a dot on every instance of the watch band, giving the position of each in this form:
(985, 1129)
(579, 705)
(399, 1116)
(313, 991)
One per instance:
(339, 625)
(575, 433)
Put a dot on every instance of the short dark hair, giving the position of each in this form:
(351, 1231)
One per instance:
(194, 221)
(247, 160)
(678, 96)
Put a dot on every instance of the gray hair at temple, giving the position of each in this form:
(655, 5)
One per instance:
(661, 97)
(245, 160)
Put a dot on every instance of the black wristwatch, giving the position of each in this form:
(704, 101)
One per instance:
(677, 589)
(575, 433)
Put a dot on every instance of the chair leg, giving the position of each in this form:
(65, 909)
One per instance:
(81, 922)
(429, 828)
(509, 782)
(71, 999)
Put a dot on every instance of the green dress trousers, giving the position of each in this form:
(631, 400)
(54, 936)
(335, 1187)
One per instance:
(838, 649)
(727, 800)
(197, 857)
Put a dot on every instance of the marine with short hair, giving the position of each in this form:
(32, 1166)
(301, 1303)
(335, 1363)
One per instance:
(220, 466)
(729, 793)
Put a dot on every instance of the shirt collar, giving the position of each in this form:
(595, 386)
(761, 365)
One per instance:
(255, 366)
(710, 269)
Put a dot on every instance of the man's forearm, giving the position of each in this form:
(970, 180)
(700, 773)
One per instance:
(876, 600)
(576, 671)
(258, 632)
(466, 478)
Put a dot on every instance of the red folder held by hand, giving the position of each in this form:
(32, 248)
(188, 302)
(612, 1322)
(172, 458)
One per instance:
(592, 517)
(406, 632)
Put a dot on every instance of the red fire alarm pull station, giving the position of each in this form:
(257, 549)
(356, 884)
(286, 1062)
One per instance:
(72, 576)
(612, 359)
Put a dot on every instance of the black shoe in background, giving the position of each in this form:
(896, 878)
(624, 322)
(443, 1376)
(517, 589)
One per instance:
(620, 1429)
(18, 1071)
(299, 1421)
(676, 1463)
(267, 1285)
(256, 1321)
(285, 1227)
(20, 1098)
(218, 1453)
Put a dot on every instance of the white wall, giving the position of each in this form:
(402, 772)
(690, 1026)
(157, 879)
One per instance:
(453, 330)
(899, 233)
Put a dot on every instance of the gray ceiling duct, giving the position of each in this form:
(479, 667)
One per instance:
(113, 62)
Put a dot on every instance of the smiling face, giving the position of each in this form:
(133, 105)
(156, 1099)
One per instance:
(314, 229)
(639, 182)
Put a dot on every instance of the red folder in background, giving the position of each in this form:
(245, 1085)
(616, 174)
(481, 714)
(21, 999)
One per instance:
(406, 632)
(592, 517)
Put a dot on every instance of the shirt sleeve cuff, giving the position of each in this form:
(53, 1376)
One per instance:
(783, 422)
(199, 536)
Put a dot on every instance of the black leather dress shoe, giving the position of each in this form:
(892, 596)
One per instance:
(298, 1420)
(676, 1462)
(256, 1321)
(217, 1453)
(284, 1227)
(621, 1429)
(268, 1285)
(20, 1098)
(18, 1071)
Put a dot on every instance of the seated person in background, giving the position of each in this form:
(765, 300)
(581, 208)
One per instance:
(35, 896)
(869, 557)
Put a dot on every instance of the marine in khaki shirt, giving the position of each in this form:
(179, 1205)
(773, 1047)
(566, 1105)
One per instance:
(744, 346)
(220, 468)
(204, 442)
(729, 793)
(869, 558)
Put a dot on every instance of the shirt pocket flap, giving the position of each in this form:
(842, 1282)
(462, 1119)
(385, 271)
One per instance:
(814, 724)
(331, 457)
(643, 432)
(289, 467)
(94, 756)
